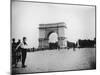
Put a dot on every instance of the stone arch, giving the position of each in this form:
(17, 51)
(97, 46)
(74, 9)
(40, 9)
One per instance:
(46, 29)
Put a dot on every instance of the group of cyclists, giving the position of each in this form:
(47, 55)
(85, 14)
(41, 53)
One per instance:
(19, 52)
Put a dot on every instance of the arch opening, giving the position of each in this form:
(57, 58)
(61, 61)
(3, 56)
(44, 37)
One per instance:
(53, 40)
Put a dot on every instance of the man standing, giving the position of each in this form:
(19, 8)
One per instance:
(24, 50)
(23, 46)
(14, 52)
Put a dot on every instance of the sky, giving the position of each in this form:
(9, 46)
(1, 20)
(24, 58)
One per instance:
(26, 17)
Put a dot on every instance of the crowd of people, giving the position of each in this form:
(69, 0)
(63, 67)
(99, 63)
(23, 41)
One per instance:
(19, 52)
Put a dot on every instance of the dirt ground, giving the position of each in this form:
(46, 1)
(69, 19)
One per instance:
(58, 60)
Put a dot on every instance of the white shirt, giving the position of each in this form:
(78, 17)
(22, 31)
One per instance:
(22, 45)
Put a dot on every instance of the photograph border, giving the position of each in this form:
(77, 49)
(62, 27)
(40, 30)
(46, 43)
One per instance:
(58, 4)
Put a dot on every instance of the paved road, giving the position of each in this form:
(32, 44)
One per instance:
(54, 60)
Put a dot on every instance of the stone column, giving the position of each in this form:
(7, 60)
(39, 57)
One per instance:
(61, 42)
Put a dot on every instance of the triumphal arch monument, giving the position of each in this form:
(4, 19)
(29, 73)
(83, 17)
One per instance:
(46, 29)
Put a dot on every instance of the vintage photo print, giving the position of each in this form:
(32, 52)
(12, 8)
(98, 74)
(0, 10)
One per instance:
(52, 37)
